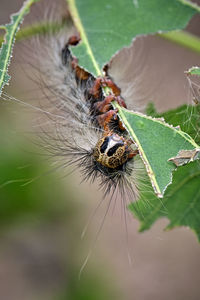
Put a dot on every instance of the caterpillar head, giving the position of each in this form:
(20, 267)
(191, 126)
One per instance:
(112, 151)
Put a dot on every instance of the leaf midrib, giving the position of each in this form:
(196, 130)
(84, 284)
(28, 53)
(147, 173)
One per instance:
(84, 39)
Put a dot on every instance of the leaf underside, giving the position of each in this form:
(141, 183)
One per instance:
(186, 115)
(157, 142)
(181, 202)
(106, 27)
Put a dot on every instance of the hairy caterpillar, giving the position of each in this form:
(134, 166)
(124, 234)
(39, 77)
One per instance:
(77, 124)
(112, 156)
(81, 127)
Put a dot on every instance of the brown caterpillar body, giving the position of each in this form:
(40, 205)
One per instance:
(82, 127)
(112, 150)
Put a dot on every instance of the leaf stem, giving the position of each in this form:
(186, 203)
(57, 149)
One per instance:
(180, 37)
(77, 20)
(190, 4)
(38, 28)
(183, 38)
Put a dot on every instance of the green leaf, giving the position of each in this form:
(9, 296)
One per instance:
(7, 46)
(107, 26)
(186, 116)
(157, 142)
(181, 203)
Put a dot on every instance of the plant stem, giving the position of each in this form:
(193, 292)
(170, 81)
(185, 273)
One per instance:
(183, 38)
(77, 20)
(38, 28)
(190, 4)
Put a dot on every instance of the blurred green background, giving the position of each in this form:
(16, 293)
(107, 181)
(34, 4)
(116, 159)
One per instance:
(43, 213)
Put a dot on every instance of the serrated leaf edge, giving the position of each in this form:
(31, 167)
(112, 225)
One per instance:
(20, 16)
(170, 226)
(141, 152)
